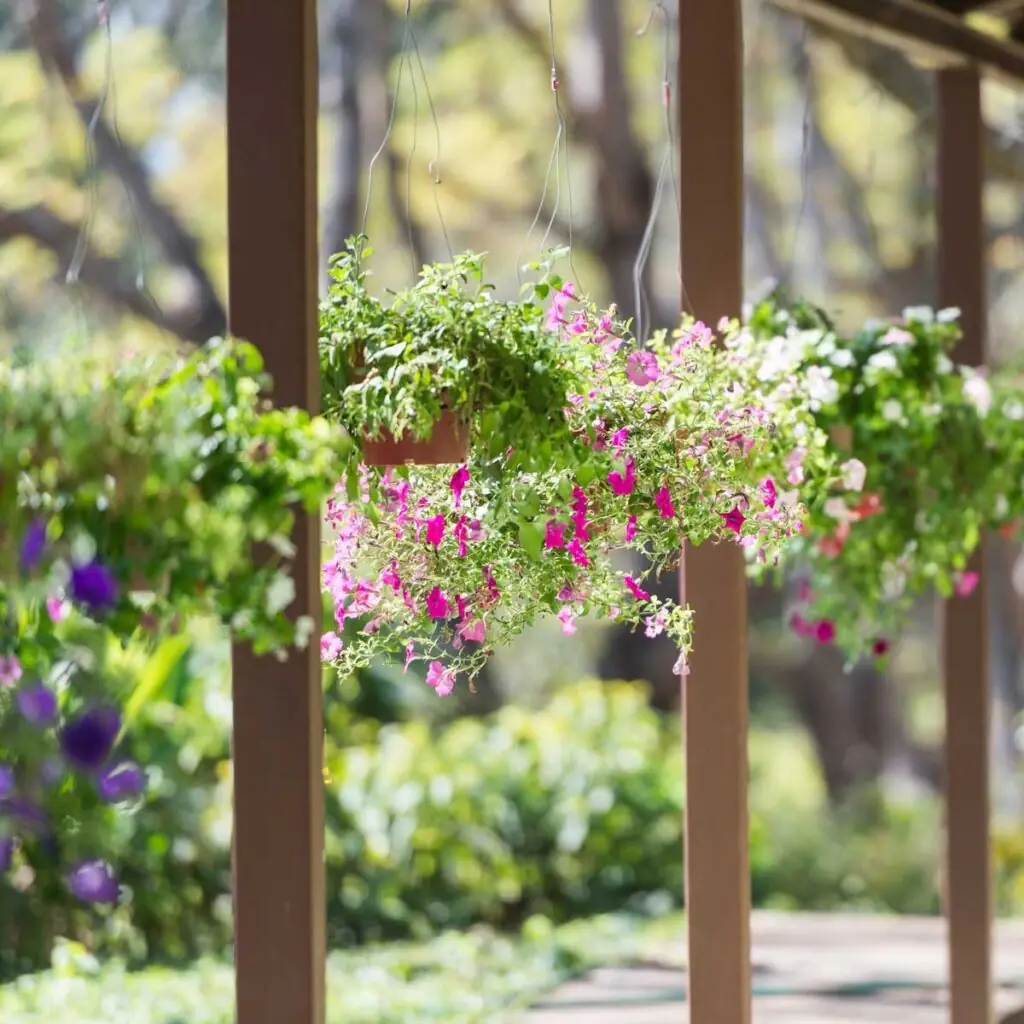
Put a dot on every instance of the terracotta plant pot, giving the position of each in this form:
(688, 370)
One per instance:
(448, 444)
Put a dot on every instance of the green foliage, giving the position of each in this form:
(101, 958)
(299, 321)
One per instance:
(475, 978)
(934, 458)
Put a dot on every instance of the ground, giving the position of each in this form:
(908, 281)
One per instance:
(808, 969)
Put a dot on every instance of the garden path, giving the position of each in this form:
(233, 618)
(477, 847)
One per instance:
(813, 956)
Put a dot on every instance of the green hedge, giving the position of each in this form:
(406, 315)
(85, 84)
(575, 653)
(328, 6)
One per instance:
(568, 811)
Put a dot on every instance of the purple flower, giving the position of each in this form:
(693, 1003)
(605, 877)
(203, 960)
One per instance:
(27, 813)
(6, 781)
(37, 704)
(94, 881)
(87, 740)
(94, 586)
(6, 852)
(121, 781)
(32, 545)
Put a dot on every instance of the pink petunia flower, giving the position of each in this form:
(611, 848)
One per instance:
(10, 670)
(458, 484)
(825, 631)
(461, 534)
(642, 368)
(440, 679)
(635, 589)
(474, 631)
(630, 529)
(734, 520)
(437, 604)
(567, 617)
(554, 534)
(623, 483)
(663, 500)
(964, 583)
(768, 493)
(435, 530)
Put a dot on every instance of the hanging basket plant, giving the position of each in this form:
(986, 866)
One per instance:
(930, 456)
(133, 496)
(641, 449)
(443, 366)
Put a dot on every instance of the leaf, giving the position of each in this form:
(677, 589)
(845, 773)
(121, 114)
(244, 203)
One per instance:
(531, 539)
(155, 675)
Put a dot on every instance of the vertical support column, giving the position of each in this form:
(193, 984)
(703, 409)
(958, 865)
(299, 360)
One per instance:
(964, 625)
(278, 715)
(715, 693)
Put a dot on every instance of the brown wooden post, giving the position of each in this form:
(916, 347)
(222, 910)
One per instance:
(278, 717)
(964, 625)
(715, 693)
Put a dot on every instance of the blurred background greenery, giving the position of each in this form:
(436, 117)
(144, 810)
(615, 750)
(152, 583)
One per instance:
(554, 790)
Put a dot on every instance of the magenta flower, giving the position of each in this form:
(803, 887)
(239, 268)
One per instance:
(663, 499)
(437, 604)
(435, 530)
(635, 589)
(965, 583)
(331, 646)
(768, 493)
(410, 655)
(801, 626)
(493, 590)
(559, 302)
(440, 679)
(458, 483)
(880, 648)
(630, 529)
(642, 368)
(461, 534)
(620, 437)
(622, 484)
(57, 608)
(579, 556)
(554, 534)
(94, 881)
(825, 631)
(579, 514)
(389, 577)
(734, 520)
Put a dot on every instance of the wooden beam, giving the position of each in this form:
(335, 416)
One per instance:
(278, 716)
(714, 583)
(922, 31)
(962, 283)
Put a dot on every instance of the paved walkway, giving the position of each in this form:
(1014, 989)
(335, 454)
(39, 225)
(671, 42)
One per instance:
(814, 955)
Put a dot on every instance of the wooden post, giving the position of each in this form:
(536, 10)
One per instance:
(964, 624)
(715, 693)
(278, 716)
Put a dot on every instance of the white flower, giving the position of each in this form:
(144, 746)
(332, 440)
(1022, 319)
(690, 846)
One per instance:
(919, 314)
(303, 631)
(821, 388)
(280, 593)
(842, 357)
(892, 410)
(883, 360)
(1002, 507)
(837, 509)
(948, 315)
(978, 393)
(894, 581)
(944, 364)
(854, 474)
(1014, 409)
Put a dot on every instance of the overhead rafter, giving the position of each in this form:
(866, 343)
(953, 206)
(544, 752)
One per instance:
(922, 31)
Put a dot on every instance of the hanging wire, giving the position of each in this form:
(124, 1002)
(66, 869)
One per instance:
(806, 149)
(666, 171)
(554, 168)
(410, 57)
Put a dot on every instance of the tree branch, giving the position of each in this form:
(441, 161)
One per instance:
(100, 274)
(180, 246)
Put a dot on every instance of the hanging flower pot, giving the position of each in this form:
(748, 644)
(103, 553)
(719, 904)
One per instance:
(447, 444)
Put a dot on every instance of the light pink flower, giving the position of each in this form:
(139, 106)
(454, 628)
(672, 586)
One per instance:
(642, 368)
(10, 670)
(567, 617)
(440, 679)
(331, 646)
(57, 608)
(474, 631)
